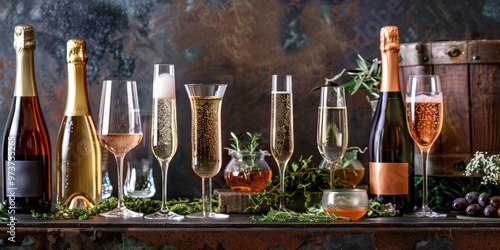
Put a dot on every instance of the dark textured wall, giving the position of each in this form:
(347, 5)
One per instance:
(238, 42)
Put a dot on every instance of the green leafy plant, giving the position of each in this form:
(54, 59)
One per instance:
(284, 216)
(78, 213)
(4, 215)
(249, 146)
(143, 205)
(366, 76)
(377, 209)
(301, 176)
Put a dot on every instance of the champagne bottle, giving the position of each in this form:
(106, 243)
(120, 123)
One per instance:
(26, 143)
(78, 152)
(390, 153)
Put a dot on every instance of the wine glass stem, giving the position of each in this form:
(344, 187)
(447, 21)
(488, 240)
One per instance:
(282, 166)
(206, 199)
(209, 196)
(425, 160)
(332, 174)
(119, 162)
(164, 171)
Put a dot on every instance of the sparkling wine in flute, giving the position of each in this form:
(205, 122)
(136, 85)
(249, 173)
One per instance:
(332, 122)
(282, 128)
(120, 144)
(206, 144)
(425, 121)
(424, 116)
(206, 140)
(164, 130)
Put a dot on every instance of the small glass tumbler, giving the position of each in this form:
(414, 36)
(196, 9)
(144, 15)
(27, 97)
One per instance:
(140, 181)
(350, 203)
(139, 164)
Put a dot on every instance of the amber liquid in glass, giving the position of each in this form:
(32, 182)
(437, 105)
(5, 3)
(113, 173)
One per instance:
(354, 213)
(350, 175)
(250, 181)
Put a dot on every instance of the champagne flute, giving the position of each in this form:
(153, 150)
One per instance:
(424, 115)
(332, 126)
(206, 103)
(119, 130)
(164, 130)
(281, 126)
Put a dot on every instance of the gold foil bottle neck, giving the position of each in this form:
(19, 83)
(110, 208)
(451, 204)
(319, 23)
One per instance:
(77, 52)
(389, 39)
(24, 37)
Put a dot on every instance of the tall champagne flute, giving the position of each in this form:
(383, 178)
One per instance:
(332, 126)
(206, 103)
(281, 126)
(164, 130)
(424, 115)
(119, 130)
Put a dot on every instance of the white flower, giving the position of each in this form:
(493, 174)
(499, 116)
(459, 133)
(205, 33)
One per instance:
(487, 165)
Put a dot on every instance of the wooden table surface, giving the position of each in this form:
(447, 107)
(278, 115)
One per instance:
(238, 232)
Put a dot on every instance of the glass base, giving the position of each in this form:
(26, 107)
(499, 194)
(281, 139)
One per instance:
(211, 215)
(121, 212)
(424, 212)
(164, 216)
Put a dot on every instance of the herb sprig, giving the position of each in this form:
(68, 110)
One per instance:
(377, 209)
(143, 205)
(4, 215)
(302, 175)
(367, 76)
(285, 216)
(251, 143)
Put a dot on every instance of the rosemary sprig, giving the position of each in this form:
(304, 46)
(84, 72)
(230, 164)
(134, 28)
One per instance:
(236, 141)
(143, 205)
(251, 143)
(285, 216)
(254, 142)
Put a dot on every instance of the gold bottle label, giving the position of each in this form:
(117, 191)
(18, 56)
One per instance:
(389, 178)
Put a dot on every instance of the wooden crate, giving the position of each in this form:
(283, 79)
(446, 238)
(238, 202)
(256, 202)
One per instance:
(235, 202)
(470, 77)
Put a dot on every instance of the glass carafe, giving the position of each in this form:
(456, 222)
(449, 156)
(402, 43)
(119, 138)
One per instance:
(247, 171)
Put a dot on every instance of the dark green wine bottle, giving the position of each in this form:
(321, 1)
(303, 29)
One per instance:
(390, 147)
